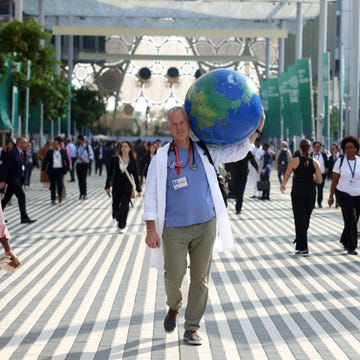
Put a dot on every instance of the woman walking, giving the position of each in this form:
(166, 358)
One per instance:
(44, 178)
(122, 176)
(346, 186)
(306, 173)
(56, 164)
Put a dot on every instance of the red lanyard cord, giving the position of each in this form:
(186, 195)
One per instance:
(177, 159)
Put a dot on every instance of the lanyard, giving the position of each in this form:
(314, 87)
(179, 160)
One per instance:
(177, 158)
(352, 170)
(57, 154)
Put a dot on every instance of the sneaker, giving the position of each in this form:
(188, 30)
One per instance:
(302, 252)
(192, 337)
(120, 230)
(170, 320)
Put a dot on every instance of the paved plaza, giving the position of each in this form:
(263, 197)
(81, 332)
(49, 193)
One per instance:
(83, 291)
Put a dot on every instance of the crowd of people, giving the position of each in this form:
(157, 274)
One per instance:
(78, 159)
(184, 210)
(311, 166)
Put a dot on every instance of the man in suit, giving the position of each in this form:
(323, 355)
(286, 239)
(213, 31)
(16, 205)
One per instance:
(238, 172)
(57, 164)
(83, 158)
(12, 175)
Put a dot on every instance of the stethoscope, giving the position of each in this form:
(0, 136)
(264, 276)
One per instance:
(193, 166)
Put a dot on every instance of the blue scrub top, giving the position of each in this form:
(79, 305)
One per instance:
(191, 204)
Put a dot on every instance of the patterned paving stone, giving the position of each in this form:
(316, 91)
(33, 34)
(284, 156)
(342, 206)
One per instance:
(83, 291)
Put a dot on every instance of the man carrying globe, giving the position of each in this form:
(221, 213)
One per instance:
(185, 215)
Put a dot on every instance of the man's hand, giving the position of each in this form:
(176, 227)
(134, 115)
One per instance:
(152, 239)
(2, 185)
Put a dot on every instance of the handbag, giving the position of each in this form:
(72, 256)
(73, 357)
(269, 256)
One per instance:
(263, 185)
(221, 181)
(131, 180)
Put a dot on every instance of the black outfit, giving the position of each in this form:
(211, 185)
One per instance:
(141, 154)
(83, 165)
(320, 187)
(13, 174)
(56, 175)
(331, 162)
(2, 161)
(239, 172)
(99, 159)
(72, 171)
(265, 174)
(121, 189)
(108, 155)
(350, 209)
(282, 163)
(81, 172)
(28, 168)
(303, 195)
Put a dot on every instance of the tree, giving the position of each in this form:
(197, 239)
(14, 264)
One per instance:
(22, 42)
(86, 107)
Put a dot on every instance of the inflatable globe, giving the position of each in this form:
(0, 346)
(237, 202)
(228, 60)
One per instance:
(223, 107)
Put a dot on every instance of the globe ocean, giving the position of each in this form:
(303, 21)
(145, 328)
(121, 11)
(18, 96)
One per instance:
(223, 107)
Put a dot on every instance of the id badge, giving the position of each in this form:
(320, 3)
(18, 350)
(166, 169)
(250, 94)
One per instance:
(22, 167)
(179, 183)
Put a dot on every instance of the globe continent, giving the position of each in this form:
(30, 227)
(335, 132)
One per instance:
(223, 107)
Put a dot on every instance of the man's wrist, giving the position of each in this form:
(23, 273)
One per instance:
(259, 131)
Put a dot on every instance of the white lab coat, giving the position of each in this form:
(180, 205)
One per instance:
(254, 176)
(155, 194)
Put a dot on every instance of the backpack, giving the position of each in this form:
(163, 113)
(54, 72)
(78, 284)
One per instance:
(283, 157)
(222, 185)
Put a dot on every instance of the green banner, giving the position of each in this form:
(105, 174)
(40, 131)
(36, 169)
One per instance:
(270, 98)
(285, 103)
(326, 76)
(5, 90)
(304, 75)
(274, 107)
(293, 89)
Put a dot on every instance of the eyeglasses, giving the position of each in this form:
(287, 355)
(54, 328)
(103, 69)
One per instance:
(349, 147)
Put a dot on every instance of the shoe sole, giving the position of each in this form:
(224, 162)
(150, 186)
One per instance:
(193, 342)
(302, 254)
